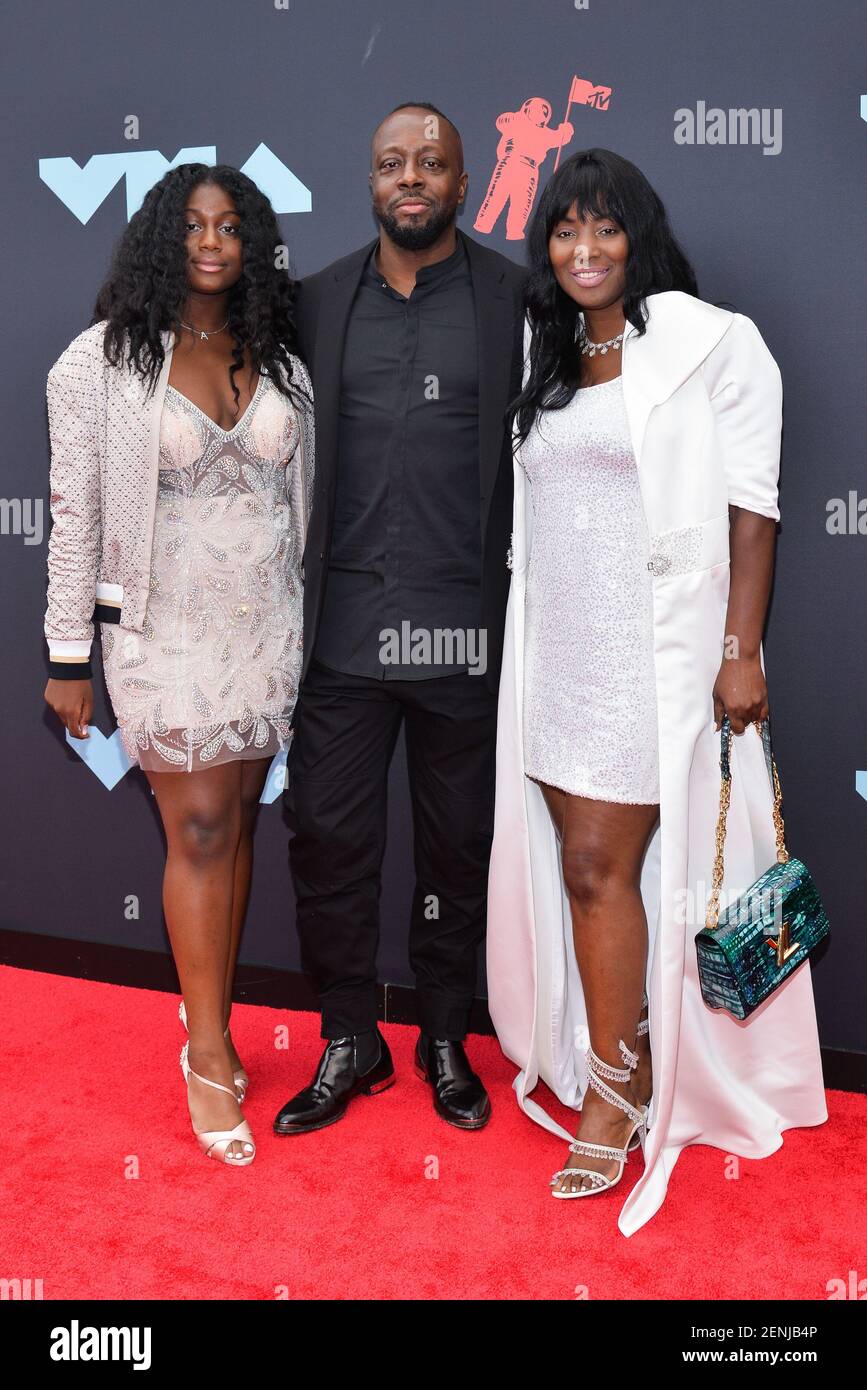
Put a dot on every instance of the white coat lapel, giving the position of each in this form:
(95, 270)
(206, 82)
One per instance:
(680, 332)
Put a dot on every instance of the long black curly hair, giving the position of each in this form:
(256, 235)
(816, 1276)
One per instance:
(603, 184)
(147, 285)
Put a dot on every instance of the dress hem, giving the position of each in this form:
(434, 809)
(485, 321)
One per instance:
(593, 795)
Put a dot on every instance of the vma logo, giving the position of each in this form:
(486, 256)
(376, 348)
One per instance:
(83, 190)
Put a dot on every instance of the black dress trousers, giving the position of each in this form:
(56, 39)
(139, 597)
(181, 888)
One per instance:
(345, 731)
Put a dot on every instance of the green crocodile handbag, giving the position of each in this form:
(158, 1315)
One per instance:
(759, 940)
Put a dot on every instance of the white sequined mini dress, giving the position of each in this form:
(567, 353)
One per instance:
(213, 675)
(589, 702)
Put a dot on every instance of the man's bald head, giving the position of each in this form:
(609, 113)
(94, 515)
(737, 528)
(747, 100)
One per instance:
(417, 178)
(435, 123)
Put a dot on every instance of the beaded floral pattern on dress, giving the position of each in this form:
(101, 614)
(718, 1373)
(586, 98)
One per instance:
(589, 703)
(213, 675)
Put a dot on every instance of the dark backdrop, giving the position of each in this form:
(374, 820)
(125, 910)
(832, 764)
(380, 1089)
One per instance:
(777, 234)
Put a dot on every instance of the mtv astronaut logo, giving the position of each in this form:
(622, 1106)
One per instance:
(526, 141)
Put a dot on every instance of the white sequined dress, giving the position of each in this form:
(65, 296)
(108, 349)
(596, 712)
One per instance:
(213, 676)
(589, 706)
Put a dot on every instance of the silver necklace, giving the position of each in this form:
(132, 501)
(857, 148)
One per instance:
(210, 333)
(589, 349)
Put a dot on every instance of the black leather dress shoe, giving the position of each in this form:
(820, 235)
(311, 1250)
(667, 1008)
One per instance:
(459, 1095)
(356, 1065)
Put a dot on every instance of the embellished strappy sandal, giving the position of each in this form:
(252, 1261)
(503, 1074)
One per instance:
(240, 1077)
(214, 1143)
(597, 1069)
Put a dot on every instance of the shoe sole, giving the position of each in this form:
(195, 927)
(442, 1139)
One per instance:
(373, 1090)
(421, 1073)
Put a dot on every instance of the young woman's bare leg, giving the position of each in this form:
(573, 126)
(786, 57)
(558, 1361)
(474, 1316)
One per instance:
(253, 774)
(201, 815)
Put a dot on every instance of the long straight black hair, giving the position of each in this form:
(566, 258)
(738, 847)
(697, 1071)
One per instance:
(601, 184)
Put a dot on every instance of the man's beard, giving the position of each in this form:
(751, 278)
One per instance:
(419, 237)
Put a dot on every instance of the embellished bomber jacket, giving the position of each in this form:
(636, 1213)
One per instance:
(104, 429)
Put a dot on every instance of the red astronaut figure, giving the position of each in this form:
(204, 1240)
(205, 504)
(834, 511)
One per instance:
(525, 142)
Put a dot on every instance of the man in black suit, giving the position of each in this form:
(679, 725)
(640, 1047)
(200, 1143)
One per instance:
(414, 346)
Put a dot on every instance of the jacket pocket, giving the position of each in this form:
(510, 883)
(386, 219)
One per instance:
(689, 548)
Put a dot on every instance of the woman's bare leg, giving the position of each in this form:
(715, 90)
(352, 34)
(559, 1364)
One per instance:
(201, 814)
(253, 775)
(602, 845)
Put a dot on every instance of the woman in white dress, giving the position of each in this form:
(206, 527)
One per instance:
(182, 463)
(634, 624)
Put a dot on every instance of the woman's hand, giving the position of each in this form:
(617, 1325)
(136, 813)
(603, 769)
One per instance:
(741, 692)
(72, 702)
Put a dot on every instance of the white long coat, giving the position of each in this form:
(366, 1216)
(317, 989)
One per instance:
(703, 400)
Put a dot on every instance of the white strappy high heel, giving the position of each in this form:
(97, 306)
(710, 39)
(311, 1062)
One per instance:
(214, 1143)
(240, 1077)
(596, 1069)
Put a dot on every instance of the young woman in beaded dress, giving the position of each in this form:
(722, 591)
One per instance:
(193, 327)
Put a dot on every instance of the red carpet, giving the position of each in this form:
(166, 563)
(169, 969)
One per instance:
(348, 1213)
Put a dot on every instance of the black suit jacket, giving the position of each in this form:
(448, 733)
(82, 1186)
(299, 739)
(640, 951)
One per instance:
(323, 305)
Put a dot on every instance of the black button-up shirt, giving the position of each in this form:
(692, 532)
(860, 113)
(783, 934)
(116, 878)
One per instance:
(405, 548)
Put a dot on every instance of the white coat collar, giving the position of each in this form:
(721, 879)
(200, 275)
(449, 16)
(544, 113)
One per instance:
(679, 334)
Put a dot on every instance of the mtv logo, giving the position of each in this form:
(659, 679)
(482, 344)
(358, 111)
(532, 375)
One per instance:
(584, 93)
(107, 759)
(83, 190)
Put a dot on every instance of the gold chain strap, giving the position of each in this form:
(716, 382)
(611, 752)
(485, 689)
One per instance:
(712, 917)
